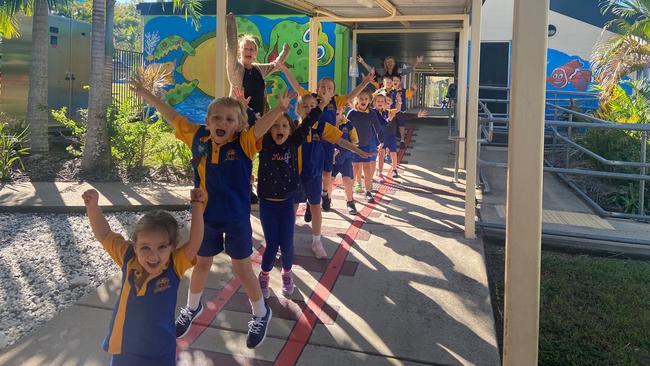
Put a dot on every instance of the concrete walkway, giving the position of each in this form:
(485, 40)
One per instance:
(400, 287)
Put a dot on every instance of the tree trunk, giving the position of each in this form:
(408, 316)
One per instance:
(97, 153)
(37, 104)
(108, 62)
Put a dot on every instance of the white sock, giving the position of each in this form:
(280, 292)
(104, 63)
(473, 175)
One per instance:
(193, 300)
(259, 309)
(315, 238)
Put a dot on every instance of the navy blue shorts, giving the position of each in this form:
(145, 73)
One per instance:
(236, 237)
(344, 167)
(390, 142)
(328, 153)
(369, 149)
(311, 191)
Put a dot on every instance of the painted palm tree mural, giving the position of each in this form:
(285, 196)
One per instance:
(172, 41)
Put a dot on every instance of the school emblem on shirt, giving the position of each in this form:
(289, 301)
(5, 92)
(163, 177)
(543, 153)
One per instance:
(344, 130)
(162, 284)
(315, 137)
(231, 154)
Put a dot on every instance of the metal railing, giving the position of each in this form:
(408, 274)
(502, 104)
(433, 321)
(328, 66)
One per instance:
(564, 133)
(124, 64)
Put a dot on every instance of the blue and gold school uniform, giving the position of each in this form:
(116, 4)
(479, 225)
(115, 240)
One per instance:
(328, 116)
(369, 131)
(343, 160)
(142, 331)
(223, 171)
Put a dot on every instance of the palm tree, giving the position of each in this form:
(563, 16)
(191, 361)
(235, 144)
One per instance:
(97, 155)
(628, 50)
(37, 101)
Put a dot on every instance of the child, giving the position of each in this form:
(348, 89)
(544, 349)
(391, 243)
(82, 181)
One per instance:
(222, 150)
(389, 121)
(369, 131)
(141, 331)
(315, 173)
(278, 181)
(343, 160)
(405, 94)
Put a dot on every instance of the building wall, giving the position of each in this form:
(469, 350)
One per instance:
(174, 41)
(569, 49)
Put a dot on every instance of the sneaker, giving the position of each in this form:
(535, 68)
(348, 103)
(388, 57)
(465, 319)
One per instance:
(254, 199)
(287, 283)
(185, 318)
(352, 209)
(257, 328)
(358, 188)
(327, 203)
(264, 285)
(307, 214)
(381, 178)
(319, 251)
(369, 198)
(395, 175)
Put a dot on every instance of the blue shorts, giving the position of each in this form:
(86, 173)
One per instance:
(369, 149)
(344, 167)
(328, 153)
(311, 191)
(236, 237)
(135, 360)
(390, 142)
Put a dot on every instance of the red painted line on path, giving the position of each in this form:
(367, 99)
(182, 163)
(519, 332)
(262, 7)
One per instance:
(303, 328)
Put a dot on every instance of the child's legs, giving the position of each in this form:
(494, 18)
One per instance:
(271, 225)
(239, 245)
(368, 169)
(287, 223)
(211, 245)
(357, 172)
(312, 187)
(347, 184)
(380, 160)
(393, 158)
(200, 274)
(327, 182)
(316, 219)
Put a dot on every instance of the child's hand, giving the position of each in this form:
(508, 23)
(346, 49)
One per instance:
(368, 78)
(285, 100)
(281, 66)
(90, 197)
(360, 59)
(422, 113)
(414, 87)
(197, 195)
(238, 93)
(364, 154)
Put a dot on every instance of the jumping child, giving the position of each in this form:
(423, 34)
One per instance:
(141, 332)
(343, 160)
(222, 150)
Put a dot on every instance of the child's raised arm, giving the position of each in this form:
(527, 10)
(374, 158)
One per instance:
(364, 83)
(362, 62)
(263, 124)
(292, 79)
(98, 222)
(168, 113)
(197, 200)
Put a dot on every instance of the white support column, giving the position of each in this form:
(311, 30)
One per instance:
(525, 178)
(354, 55)
(313, 54)
(461, 93)
(472, 122)
(220, 60)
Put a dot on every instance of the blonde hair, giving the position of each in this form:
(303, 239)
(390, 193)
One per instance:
(247, 38)
(157, 221)
(228, 102)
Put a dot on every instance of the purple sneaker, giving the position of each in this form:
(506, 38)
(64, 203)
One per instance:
(264, 285)
(287, 283)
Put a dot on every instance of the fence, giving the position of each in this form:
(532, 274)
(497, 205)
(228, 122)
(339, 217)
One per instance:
(124, 64)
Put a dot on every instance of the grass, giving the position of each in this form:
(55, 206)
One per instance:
(593, 310)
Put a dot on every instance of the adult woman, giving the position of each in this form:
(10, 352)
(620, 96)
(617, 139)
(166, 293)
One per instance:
(242, 69)
(390, 67)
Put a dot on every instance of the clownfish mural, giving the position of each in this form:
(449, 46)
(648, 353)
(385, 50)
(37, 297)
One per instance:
(572, 73)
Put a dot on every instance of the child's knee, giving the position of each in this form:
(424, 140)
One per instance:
(203, 264)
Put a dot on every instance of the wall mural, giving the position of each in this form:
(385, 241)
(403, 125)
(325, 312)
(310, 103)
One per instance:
(173, 40)
(567, 72)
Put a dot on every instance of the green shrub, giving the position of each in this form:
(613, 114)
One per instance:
(11, 149)
(77, 129)
(127, 135)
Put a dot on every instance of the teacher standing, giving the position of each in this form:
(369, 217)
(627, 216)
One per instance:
(242, 69)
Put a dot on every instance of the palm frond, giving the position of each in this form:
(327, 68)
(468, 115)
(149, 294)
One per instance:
(154, 77)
